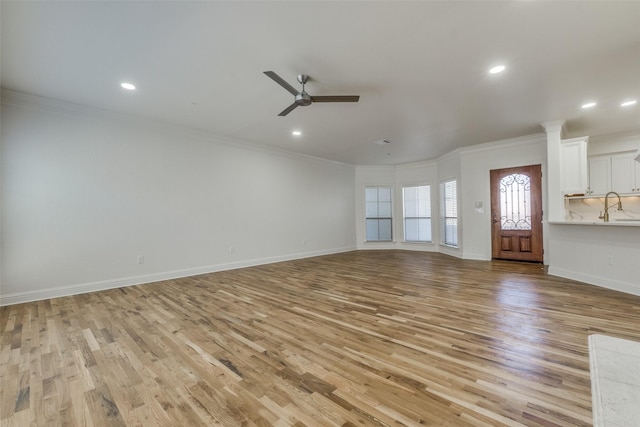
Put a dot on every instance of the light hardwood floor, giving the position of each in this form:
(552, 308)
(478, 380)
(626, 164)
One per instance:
(362, 338)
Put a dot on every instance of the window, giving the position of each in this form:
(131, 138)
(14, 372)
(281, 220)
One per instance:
(378, 213)
(450, 213)
(416, 207)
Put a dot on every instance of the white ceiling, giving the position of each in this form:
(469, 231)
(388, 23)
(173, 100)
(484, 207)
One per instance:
(420, 68)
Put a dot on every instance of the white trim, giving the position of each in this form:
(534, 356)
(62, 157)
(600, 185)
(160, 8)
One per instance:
(443, 213)
(365, 246)
(632, 135)
(420, 247)
(603, 282)
(526, 139)
(403, 218)
(55, 106)
(421, 183)
(393, 190)
(417, 165)
(450, 250)
(559, 126)
(63, 291)
(381, 168)
(475, 257)
(417, 242)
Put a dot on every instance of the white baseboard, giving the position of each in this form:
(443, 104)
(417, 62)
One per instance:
(63, 291)
(377, 246)
(475, 257)
(451, 251)
(604, 282)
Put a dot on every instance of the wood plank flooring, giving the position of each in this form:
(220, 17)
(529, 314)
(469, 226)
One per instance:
(368, 338)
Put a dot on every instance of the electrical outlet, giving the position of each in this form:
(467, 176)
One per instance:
(610, 260)
(140, 259)
(232, 249)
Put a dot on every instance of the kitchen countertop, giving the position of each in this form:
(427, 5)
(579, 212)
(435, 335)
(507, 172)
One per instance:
(613, 223)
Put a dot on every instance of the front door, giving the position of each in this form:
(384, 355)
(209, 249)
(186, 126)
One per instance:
(516, 213)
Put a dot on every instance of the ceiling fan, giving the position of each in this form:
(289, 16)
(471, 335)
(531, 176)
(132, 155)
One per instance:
(302, 98)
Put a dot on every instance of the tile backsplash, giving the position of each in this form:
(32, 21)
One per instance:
(589, 208)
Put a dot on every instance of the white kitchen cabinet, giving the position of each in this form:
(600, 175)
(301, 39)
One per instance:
(574, 177)
(617, 172)
(623, 173)
(599, 174)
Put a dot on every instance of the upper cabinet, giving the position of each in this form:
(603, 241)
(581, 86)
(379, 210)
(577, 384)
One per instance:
(617, 172)
(599, 174)
(573, 163)
(625, 173)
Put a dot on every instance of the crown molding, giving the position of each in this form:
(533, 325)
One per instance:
(555, 126)
(520, 140)
(56, 106)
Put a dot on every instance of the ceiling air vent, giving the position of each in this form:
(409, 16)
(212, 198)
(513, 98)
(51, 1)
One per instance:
(382, 142)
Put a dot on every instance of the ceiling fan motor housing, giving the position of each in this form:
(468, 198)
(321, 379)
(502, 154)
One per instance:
(303, 99)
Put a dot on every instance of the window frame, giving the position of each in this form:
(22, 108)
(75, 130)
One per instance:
(405, 217)
(445, 238)
(378, 218)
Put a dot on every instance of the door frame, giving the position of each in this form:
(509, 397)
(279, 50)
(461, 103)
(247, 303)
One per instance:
(537, 204)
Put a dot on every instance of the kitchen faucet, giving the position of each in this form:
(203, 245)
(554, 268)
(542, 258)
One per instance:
(605, 216)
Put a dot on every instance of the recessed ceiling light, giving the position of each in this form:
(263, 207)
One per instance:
(497, 69)
(628, 103)
(128, 86)
(296, 133)
(589, 105)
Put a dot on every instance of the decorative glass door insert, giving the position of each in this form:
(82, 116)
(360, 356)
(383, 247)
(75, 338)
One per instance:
(515, 202)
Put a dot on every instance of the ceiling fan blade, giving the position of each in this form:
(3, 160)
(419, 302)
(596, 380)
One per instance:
(276, 78)
(288, 109)
(335, 98)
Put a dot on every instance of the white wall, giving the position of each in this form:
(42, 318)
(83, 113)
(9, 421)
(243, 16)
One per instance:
(613, 143)
(603, 255)
(470, 167)
(85, 193)
(476, 164)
